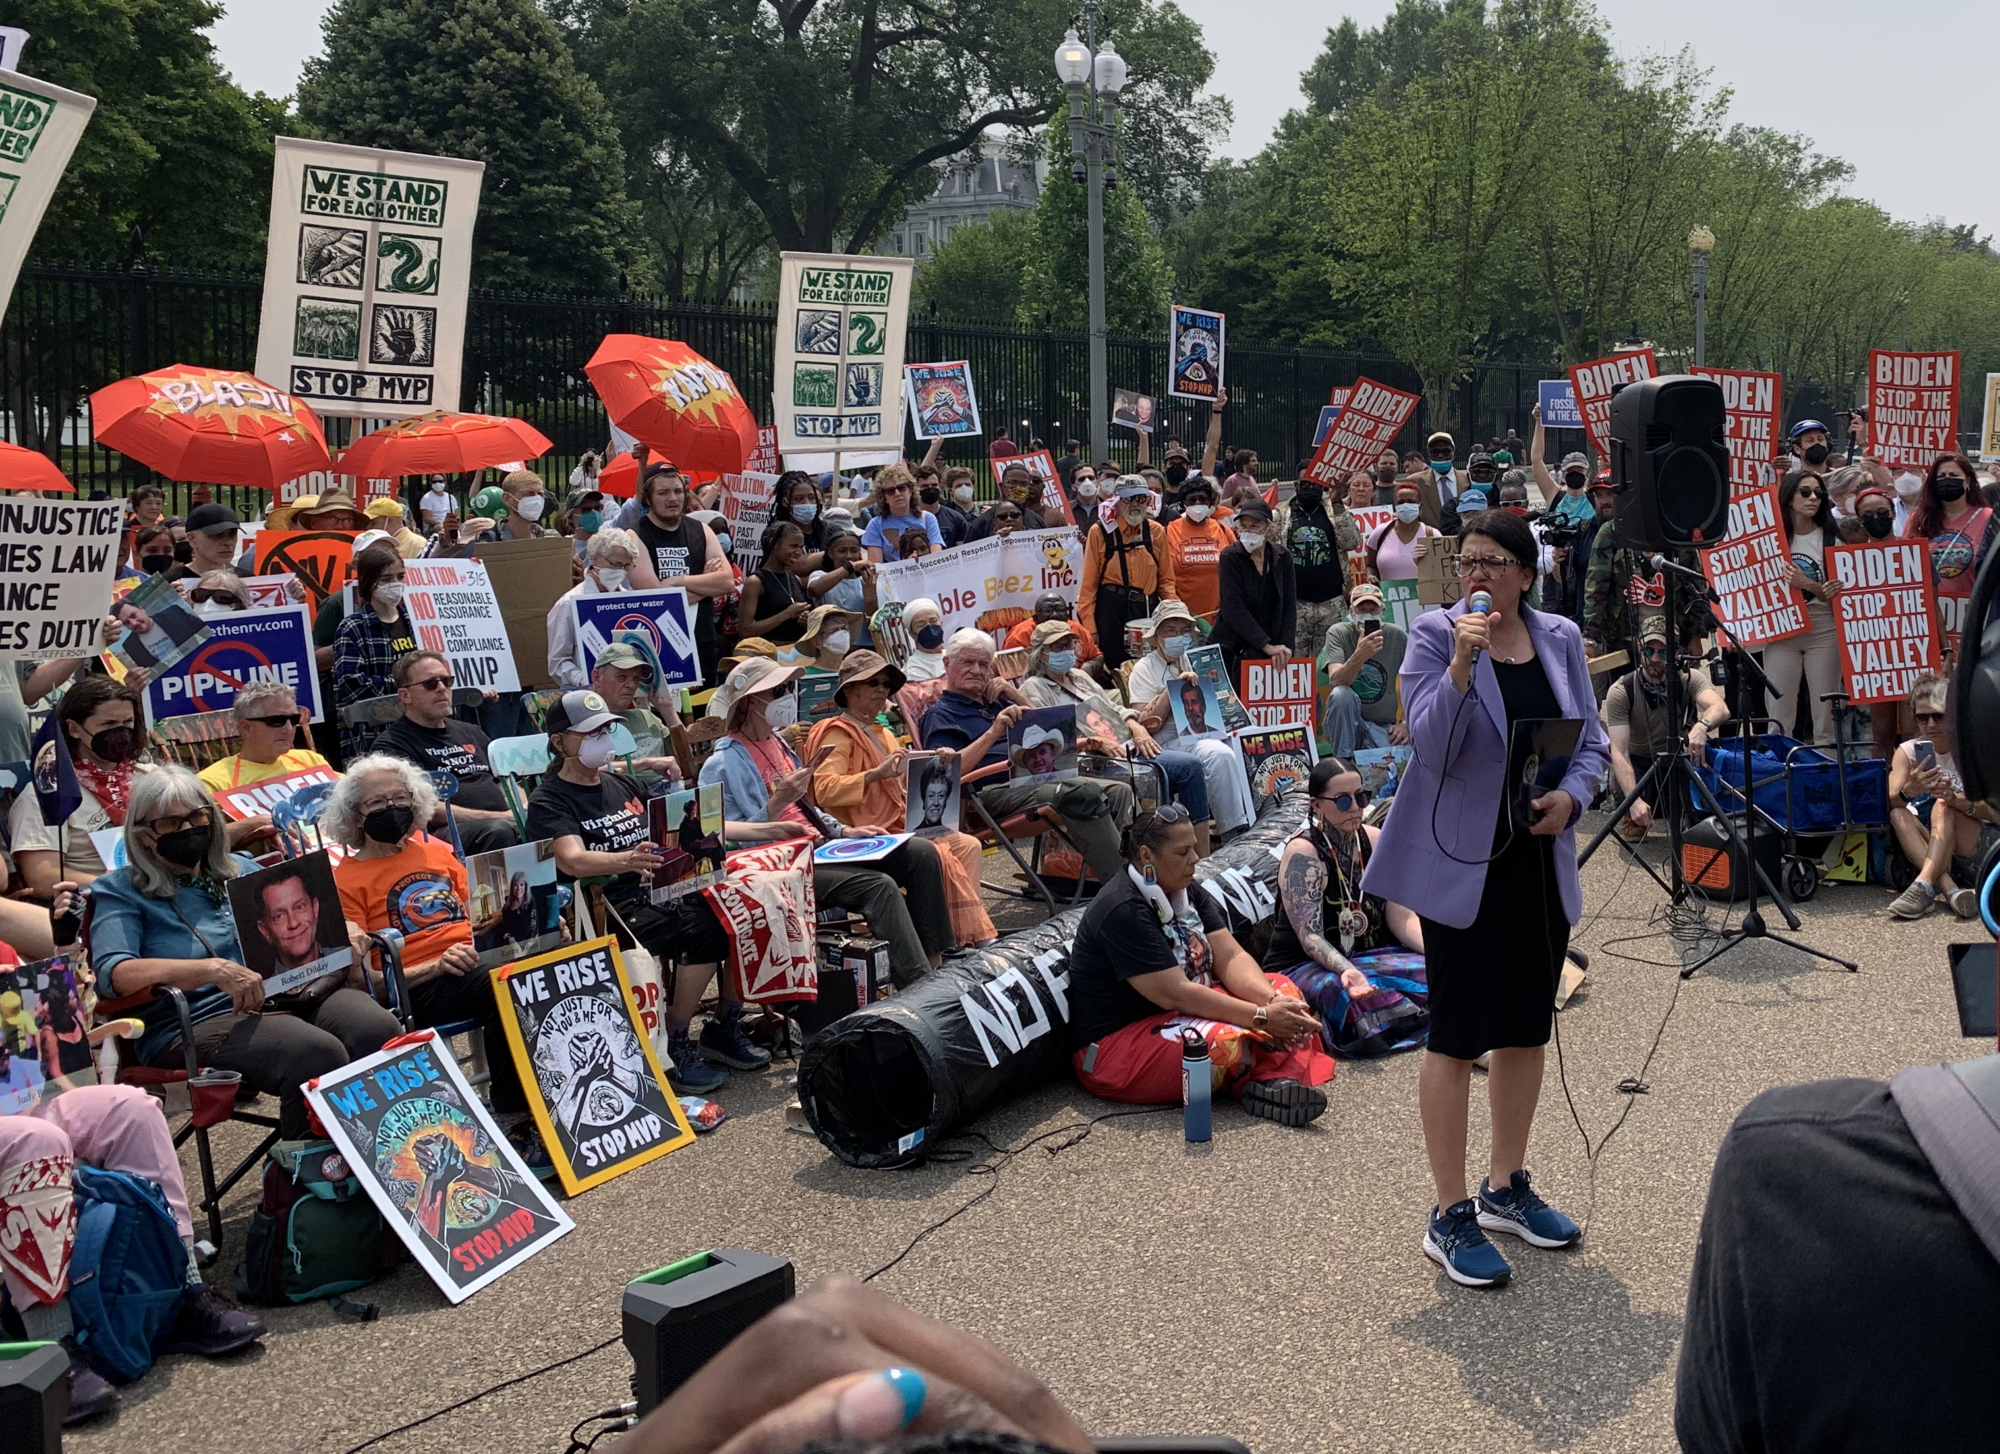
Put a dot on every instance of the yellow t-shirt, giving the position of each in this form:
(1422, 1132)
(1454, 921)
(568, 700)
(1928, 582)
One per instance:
(234, 772)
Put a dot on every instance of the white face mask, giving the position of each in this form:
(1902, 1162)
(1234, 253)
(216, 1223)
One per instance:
(610, 579)
(837, 643)
(962, 494)
(1408, 511)
(781, 712)
(529, 508)
(1086, 489)
(596, 751)
(1199, 513)
(1909, 486)
(1252, 539)
(389, 595)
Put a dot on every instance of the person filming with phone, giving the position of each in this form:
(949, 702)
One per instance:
(1937, 827)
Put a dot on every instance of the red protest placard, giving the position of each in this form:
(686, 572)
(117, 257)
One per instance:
(1748, 572)
(1053, 507)
(1594, 383)
(1887, 630)
(1278, 696)
(257, 798)
(764, 458)
(1912, 406)
(1368, 423)
(1751, 399)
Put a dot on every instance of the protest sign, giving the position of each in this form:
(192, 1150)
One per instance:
(256, 799)
(1132, 410)
(1912, 407)
(12, 39)
(427, 1152)
(990, 583)
(160, 629)
(848, 851)
(261, 593)
(1747, 571)
(942, 404)
(452, 605)
(594, 1086)
(764, 458)
(663, 617)
(1367, 425)
(1278, 759)
(1194, 352)
(1327, 414)
(1196, 707)
(1278, 696)
(1558, 401)
(766, 904)
(366, 266)
(515, 909)
(747, 503)
(1381, 769)
(1400, 605)
(1989, 425)
(1372, 520)
(686, 830)
(1206, 662)
(932, 796)
(528, 577)
(40, 126)
(1052, 503)
(289, 923)
(44, 1045)
(318, 482)
(242, 647)
(839, 364)
(317, 558)
(57, 565)
(1751, 400)
(1041, 745)
(1596, 381)
(1884, 620)
(815, 692)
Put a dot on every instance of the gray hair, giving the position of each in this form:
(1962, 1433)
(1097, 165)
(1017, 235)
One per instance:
(608, 538)
(968, 638)
(251, 698)
(340, 822)
(225, 579)
(171, 788)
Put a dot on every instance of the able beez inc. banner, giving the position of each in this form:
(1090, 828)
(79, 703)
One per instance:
(992, 583)
(365, 275)
(594, 1085)
(838, 376)
(425, 1149)
(40, 126)
(1883, 618)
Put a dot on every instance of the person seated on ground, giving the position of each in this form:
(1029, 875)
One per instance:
(848, 581)
(1361, 660)
(923, 623)
(972, 717)
(827, 637)
(1327, 919)
(1053, 606)
(775, 600)
(763, 782)
(1171, 636)
(1152, 962)
(371, 640)
(597, 819)
(608, 560)
(164, 919)
(860, 778)
(624, 678)
(399, 878)
(100, 720)
(1053, 679)
(1635, 721)
(429, 736)
(1937, 826)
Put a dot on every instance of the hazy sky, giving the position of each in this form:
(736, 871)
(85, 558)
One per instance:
(1874, 84)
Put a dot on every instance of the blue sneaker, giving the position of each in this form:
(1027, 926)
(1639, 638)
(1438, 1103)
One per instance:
(1455, 1243)
(724, 1043)
(1518, 1212)
(690, 1075)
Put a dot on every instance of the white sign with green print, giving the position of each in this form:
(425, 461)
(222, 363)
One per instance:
(40, 126)
(838, 383)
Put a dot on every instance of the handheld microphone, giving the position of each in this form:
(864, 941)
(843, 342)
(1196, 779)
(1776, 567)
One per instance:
(1660, 563)
(1482, 602)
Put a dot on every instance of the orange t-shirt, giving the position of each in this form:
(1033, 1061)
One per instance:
(420, 890)
(1194, 550)
(1020, 631)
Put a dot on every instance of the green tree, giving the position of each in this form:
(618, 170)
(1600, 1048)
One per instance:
(490, 80)
(978, 271)
(1055, 283)
(176, 161)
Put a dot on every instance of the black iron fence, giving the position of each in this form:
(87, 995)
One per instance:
(69, 330)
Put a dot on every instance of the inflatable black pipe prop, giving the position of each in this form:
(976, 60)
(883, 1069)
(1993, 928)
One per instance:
(881, 1086)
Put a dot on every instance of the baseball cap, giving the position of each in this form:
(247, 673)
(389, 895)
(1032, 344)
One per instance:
(1479, 457)
(1440, 435)
(1131, 487)
(385, 508)
(623, 655)
(1047, 633)
(1253, 510)
(365, 539)
(1174, 451)
(1653, 628)
(1364, 591)
(1576, 459)
(213, 519)
(578, 711)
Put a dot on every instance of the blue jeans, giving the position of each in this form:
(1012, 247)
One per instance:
(1345, 728)
(1187, 782)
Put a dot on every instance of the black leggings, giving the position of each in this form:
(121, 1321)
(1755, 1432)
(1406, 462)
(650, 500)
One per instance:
(278, 1052)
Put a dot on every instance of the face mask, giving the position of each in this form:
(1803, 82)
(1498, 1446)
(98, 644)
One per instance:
(183, 551)
(152, 565)
(113, 744)
(1441, 466)
(187, 848)
(596, 751)
(1199, 513)
(1949, 489)
(1175, 473)
(590, 520)
(1086, 489)
(1514, 507)
(930, 496)
(1307, 499)
(723, 541)
(1252, 539)
(1176, 647)
(1909, 486)
(1408, 511)
(1062, 663)
(1879, 523)
(1386, 474)
(1815, 454)
(208, 610)
(805, 514)
(1471, 502)
(611, 580)
(962, 494)
(1574, 483)
(781, 712)
(837, 643)
(529, 508)
(389, 825)
(929, 638)
(389, 595)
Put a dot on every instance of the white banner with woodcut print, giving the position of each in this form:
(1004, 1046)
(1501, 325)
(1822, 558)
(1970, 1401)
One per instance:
(40, 126)
(838, 375)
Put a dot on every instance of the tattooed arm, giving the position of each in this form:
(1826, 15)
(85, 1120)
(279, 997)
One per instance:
(1302, 886)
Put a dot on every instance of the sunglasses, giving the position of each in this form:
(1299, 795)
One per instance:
(1930, 716)
(432, 682)
(1806, 492)
(1348, 802)
(1654, 653)
(1170, 813)
(175, 822)
(201, 596)
(276, 723)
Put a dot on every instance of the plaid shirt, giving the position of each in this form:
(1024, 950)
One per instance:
(364, 655)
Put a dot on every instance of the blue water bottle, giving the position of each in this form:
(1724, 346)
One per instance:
(1197, 1119)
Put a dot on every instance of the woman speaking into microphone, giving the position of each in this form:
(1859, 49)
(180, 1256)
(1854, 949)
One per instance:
(1497, 901)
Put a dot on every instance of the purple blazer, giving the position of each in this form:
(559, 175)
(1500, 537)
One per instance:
(1462, 778)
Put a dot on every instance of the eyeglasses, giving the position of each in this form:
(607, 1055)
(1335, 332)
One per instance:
(394, 800)
(175, 822)
(1492, 565)
(1654, 653)
(431, 682)
(1347, 802)
(275, 723)
(1081, 475)
(1930, 716)
(1006, 514)
(1170, 813)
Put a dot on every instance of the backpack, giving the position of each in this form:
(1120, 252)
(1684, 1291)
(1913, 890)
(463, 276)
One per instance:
(128, 1270)
(315, 1234)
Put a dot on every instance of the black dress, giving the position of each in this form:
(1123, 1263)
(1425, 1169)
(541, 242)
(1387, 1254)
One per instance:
(1493, 983)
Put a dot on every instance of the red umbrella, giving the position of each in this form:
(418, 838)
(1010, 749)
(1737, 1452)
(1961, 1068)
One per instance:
(442, 443)
(25, 469)
(620, 477)
(211, 425)
(670, 397)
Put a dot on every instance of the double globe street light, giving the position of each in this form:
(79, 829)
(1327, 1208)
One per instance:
(1093, 130)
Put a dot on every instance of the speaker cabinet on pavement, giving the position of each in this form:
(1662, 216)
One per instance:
(679, 1316)
(1669, 464)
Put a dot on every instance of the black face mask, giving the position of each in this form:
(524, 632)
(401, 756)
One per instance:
(186, 849)
(183, 551)
(1949, 488)
(389, 825)
(152, 565)
(930, 497)
(1307, 498)
(1175, 473)
(930, 638)
(1879, 523)
(1815, 454)
(1386, 475)
(114, 744)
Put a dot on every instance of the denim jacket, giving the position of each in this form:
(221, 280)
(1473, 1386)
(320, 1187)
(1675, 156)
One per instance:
(126, 924)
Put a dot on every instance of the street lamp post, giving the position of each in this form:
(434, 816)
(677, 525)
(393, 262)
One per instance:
(1701, 242)
(1093, 75)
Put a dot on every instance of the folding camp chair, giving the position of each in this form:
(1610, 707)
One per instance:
(195, 742)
